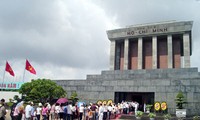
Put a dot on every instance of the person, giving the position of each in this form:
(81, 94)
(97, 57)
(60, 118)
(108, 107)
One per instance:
(81, 109)
(12, 109)
(2, 109)
(69, 111)
(20, 107)
(65, 112)
(52, 111)
(105, 110)
(39, 111)
(57, 111)
(61, 112)
(76, 112)
(90, 114)
(136, 106)
(93, 109)
(16, 113)
(124, 108)
(144, 107)
(28, 109)
(45, 111)
(127, 108)
(49, 108)
(33, 112)
(109, 110)
(101, 112)
(73, 111)
(85, 112)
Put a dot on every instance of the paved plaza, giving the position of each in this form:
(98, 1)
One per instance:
(145, 117)
(130, 117)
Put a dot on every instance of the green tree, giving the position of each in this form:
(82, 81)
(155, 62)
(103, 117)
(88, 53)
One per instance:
(180, 100)
(41, 90)
(16, 97)
(74, 97)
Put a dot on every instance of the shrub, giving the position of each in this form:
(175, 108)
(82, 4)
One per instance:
(167, 116)
(148, 107)
(196, 117)
(152, 115)
(139, 113)
(180, 100)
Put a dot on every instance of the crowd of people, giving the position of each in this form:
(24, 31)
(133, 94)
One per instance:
(69, 111)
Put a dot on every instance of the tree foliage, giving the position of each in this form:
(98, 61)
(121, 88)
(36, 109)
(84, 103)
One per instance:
(180, 100)
(16, 97)
(41, 90)
(74, 97)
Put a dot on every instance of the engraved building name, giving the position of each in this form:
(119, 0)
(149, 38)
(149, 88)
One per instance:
(147, 30)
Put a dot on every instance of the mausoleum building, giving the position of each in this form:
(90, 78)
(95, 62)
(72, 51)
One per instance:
(148, 63)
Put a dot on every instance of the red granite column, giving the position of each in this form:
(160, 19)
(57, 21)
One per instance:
(176, 52)
(147, 53)
(134, 55)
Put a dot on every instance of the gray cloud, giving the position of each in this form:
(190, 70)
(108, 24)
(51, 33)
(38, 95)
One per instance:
(50, 32)
(130, 12)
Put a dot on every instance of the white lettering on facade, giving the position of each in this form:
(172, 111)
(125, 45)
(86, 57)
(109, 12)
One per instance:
(130, 33)
(159, 30)
(146, 30)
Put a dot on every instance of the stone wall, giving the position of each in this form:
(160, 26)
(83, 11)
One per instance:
(165, 83)
(8, 95)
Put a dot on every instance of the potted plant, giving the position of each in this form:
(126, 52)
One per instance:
(139, 114)
(180, 100)
(148, 108)
(167, 116)
(152, 116)
(196, 117)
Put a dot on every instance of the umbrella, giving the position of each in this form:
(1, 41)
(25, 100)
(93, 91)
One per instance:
(62, 100)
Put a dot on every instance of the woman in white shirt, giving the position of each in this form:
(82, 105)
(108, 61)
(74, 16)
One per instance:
(81, 109)
(57, 111)
(101, 109)
(38, 111)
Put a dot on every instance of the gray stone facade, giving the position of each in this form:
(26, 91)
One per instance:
(164, 83)
(155, 84)
(124, 36)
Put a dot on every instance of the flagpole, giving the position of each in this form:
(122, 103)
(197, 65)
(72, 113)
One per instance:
(24, 73)
(4, 75)
(3, 79)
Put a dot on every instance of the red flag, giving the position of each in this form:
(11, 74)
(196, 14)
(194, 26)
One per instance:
(30, 68)
(9, 69)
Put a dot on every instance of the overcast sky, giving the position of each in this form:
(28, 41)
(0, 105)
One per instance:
(66, 39)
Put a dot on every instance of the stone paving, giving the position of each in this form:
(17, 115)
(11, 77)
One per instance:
(129, 117)
(145, 117)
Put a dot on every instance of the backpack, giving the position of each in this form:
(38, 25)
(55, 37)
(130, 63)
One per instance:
(65, 110)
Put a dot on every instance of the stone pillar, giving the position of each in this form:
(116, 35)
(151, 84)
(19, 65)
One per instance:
(154, 52)
(140, 53)
(126, 56)
(186, 49)
(169, 51)
(112, 54)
